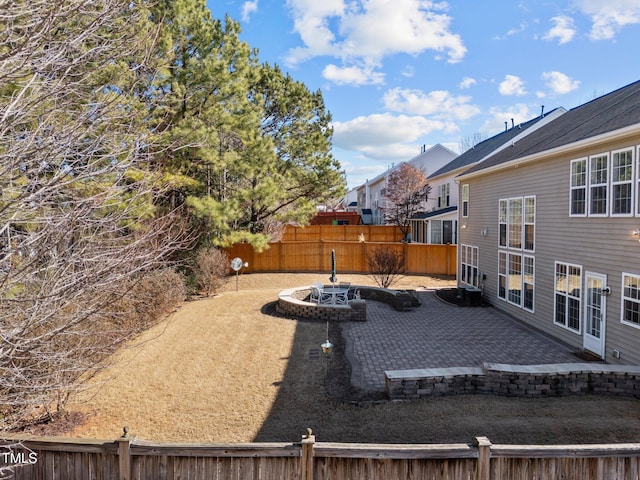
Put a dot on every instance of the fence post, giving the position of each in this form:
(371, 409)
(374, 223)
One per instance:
(483, 471)
(124, 455)
(405, 258)
(308, 442)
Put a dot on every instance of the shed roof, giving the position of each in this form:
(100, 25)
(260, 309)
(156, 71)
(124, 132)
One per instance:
(434, 213)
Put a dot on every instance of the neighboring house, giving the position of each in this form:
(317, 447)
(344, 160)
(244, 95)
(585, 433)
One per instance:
(371, 193)
(438, 223)
(349, 202)
(551, 232)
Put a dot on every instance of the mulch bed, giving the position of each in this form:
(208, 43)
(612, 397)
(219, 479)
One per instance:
(450, 295)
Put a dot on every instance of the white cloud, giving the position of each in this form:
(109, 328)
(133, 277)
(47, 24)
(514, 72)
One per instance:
(467, 82)
(439, 104)
(312, 22)
(408, 71)
(353, 75)
(382, 129)
(513, 31)
(609, 17)
(559, 83)
(498, 117)
(369, 30)
(372, 133)
(248, 8)
(512, 85)
(564, 30)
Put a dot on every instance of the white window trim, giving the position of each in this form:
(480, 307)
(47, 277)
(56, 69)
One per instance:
(632, 182)
(524, 223)
(464, 255)
(581, 306)
(533, 283)
(622, 299)
(521, 223)
(607, 184)
(584, 187)
(636, 179)
(509, 255)
(465, 199)
(506, 275)
(505, 223)
(522, 252)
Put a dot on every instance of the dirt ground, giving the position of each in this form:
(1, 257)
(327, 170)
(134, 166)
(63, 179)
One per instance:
(225, 369)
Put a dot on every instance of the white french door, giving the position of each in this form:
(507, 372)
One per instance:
(594, 313)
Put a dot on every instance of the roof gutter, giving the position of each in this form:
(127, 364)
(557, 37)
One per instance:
(614, 135)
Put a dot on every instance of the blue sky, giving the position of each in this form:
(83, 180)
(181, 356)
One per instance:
(399, 74)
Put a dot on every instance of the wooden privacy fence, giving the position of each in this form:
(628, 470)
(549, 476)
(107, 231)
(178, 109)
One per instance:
(343, 233)
(351, 257)
(131, 459)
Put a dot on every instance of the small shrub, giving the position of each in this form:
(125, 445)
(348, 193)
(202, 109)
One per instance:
(144, 301)
(385, 266)
(210, 269)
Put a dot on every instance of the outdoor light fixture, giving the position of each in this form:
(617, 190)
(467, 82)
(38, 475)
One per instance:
(636, 233)
(327, 347)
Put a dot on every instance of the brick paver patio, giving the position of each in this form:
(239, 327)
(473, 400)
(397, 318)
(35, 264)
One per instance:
(437, 334)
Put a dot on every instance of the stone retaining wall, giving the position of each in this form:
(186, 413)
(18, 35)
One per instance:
(515, 380)
(293, 302)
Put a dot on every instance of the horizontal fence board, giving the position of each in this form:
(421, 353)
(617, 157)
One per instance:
(220, 450)
(343, 233)
(354, 450)
(563, 451)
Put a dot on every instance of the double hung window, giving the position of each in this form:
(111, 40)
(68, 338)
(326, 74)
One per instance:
(568, 296)
(598, 184)
(622, 182)
(465, 200)
(578, 203)
(469, 265)
(443, 195)
(631, 299)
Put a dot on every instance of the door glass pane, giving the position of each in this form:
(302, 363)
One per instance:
(594, 307)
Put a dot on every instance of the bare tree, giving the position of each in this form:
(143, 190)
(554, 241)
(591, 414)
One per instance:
(77, 217)
(470, 141)
(385, 266)
(406, 190)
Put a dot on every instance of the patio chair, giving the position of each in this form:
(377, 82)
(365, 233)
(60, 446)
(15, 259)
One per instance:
(349, 295)
(315, 294)
(325, 298)
(342, 298)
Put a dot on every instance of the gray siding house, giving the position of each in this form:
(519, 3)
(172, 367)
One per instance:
(438, 222)
(553, 227)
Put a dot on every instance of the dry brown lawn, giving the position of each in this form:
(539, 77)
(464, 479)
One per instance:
(224, 370)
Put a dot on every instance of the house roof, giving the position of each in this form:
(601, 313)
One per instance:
(613, 111)
(429, 151)
(486, 147)
(435, 213)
